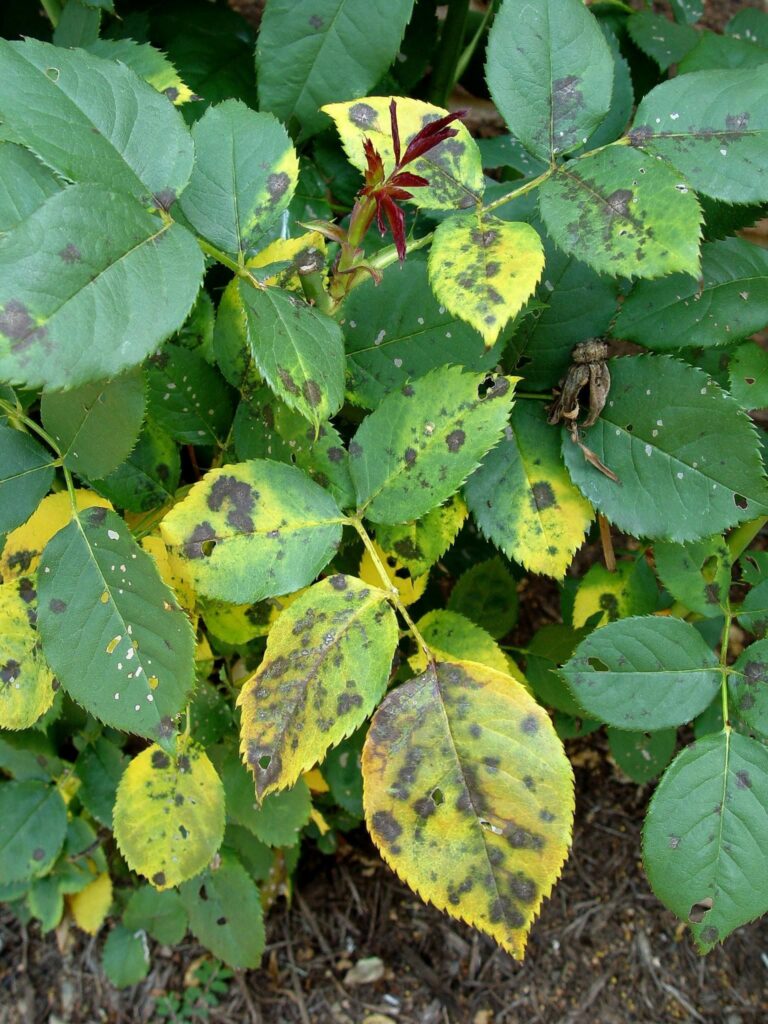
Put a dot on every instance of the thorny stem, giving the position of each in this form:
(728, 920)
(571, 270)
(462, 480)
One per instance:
(391, 589)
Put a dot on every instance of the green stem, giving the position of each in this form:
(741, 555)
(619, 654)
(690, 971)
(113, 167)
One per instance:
(527, 187)
(724, 666)
(391, 589)
(740, 538)
(469, 50)
(445, 70)
(53, 9)
(227, 261)
(533, 395)
(45, 436)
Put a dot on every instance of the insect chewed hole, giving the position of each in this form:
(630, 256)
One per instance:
(709, 568)
(437, 797)
(203, 893)
(490, 827)
(597, 665)
(265, 761)
(700, 909)
(740, 500)
(484, 387)
(207, 547)
(629, 428)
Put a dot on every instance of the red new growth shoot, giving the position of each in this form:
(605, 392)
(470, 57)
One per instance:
(386, 189)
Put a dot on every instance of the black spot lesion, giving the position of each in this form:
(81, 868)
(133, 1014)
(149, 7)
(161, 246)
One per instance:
(363, 115)
(160, 760)
(201, 541)
(529, 725)
(241, 498)
(96, 516)
(19, 326)
(455, 440)
(277, 185)
(542, 496)
(386, 827)
(10, 670)
(70, 254)
(57, 606)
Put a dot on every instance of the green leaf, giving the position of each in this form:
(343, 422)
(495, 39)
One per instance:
(622, 105)
(642, 755)
(93, 120)
(148, 477)
(663, 40)
(326, 667)
(396, 331)
(748, 686)
(99, 767)
(451, 636)
(34, 826)
(749, 24)
(422, 442)
(483, 270)
(343, 772)
(453, 168)
(622, 212)
(312, 52)
(685, 454)
(132, 662)
(46, 902)
(550, 647)
(245, 174)
(550, 73)
(572, 302)
(188, 398)
(225, 913)
(727, 303)
(86, 266)
(646, 673)
(469, 796)
(25, 184)
(748, 371)
(507, 151)
(603, 596)
(78, 24)
(713, 126)
(26, 474)
(716, 51)
(148, 62)
(687, 11)
(419, 544)
(753, 614)
(522, 498)
(125, 957)
(705, 839)
(27, 686)
(160, 914)
(278, 819)
(698, 573)
(169, 813)
(253, 530)
(96, 425)
(299, 350)
(486, 594)
(265, 427)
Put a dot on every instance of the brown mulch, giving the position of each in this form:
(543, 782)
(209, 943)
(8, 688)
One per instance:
(603, 951)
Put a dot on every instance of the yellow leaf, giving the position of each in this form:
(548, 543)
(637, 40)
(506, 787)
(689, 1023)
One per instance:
(316, 782)
(418, 545)
(288, 249)
(173, 571)
(452, 637)
(27, 685)
(91, 905)
(169, 813)
(454, 169)
(469, 796)
(24, 545)
(630, 590)
(319, 820)
(409, 589)
(484, 270)
(326, 667)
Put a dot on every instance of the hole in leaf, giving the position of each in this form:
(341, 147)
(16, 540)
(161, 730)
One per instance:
(709, 568)
(484, 387)
(203, 893)
(522, 361)
(207, 547)
(597, 665)
(437, 797)
(740, 500)
(629, 428)
(749, 380)
(700, 909)
(490, 828)
(53, 74)
(265, 761)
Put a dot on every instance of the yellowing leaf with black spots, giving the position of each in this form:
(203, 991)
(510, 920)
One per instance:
(419, 544)
(296, 251)
(604, 596)
(91, 905)
(23, 546)
(484, 270)
(454, 169)
(173, 571)
(112, 631)
(169, 813)
(469, 796)
(409, 588)
(149, 63)
(244, 176)
(451, 637)
(253, 530)
(523, 500)
(424, 440)
(624, 212)
(27, 685)
(326, 667)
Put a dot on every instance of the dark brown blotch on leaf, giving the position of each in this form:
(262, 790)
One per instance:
(17, 324)
(455, 440)
(57, 606)
(70, 254)
(386, 827)
(160, 760)
(277, 185)
(200, 542)
(362, 114)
